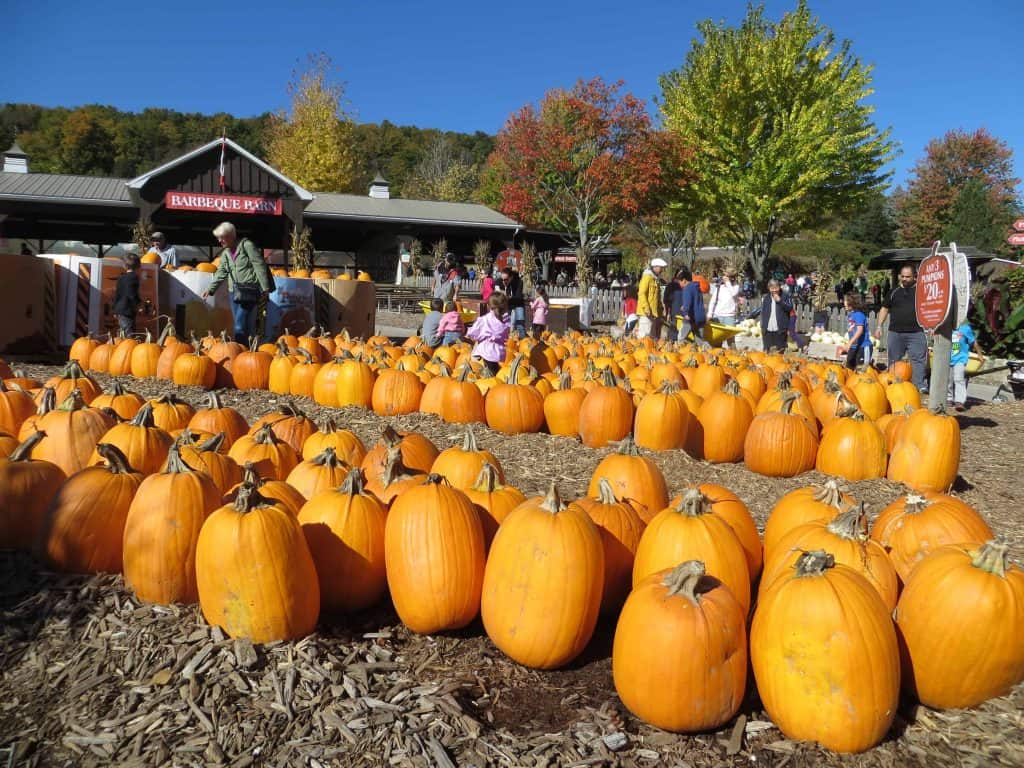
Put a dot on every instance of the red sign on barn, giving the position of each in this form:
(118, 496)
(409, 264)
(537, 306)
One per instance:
(196, 201)
(934, 291)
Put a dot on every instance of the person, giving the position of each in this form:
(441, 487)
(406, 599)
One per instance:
(630, 317)
(859, 345)
(249, 280)
(790, 283)
(472, 273)
(512, 285)
(168, 256)
(905, 335)
(430, 330)
(127, 301)
(688, 307)
(648, 303)
(725, 301)
(486, 289)
(876, 295)
(775, 309)
(561, 278)
(963, 339)
(490, 332)
(539, 307)
(447, 280)
(451, 328)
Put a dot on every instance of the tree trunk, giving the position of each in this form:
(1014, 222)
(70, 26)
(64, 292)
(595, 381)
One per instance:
(584, 268)
(759, 247)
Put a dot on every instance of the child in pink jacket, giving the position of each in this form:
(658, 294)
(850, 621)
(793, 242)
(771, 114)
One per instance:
(490, 332)
(451, 328)
(539, 306)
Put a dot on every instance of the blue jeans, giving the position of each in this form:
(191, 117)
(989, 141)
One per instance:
(519, 320)
(246, 317)
(916, 348)
(451, 337)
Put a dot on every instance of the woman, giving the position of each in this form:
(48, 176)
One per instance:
(775, 309)
(242, 265)
(725, 301)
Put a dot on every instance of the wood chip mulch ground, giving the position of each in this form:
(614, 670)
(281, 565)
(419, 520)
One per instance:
(91, 677)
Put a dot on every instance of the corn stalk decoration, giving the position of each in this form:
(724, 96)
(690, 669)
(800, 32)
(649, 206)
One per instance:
(142, 235)
(529, 251)
(482, 257)
(302, 248)
(416, 257)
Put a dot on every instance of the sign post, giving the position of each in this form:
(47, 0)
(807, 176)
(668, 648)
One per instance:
(934, 299)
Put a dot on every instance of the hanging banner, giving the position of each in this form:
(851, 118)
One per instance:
(934, 289)
(195, 201)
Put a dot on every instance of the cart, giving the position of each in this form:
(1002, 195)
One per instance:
(467, 315)
(715, 334)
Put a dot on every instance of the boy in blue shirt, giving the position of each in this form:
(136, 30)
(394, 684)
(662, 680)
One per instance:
(963, 339)
(860, 339)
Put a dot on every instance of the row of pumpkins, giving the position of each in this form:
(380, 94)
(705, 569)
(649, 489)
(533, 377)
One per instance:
(271, 524)
(779, 415)
(152, 257)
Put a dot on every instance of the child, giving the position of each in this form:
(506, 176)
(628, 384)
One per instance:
(629, 302)
(963, 339)
(540, 311)
(451, 327)
(126, 295)
(490, 332)
(860, 339)
(429, 332)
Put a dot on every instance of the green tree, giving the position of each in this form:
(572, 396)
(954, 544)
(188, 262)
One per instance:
(443, 173)
(975, 218)
(87, 141)
(874, 224)
(313, 144)
(781, 135)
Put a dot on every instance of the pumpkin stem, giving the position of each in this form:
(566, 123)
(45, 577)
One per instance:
(22, 452)
(250, 476)
(991, 557)
(327, 458)
(685, 580)
(488, 481)
(789, 398)
(116, 389)
(265, 435)
(732, 387)
(175, 463)
(435, 479)
(144, 418)
(607, 377)
(830, 493)
(469, 441)
(307, 359)
(605, 493)
(117, 462)
(785, 381)
(846, 407)
(394, 468)
(249, 498)
(47, 402)
(914, 504)
(693, 503)
(464, 372)
(513, 371)
(353, 482)
(627, 447)
(213, 402)
(73, 371)
(213, 444)
(166, 332)
(814, 563)
(850, 524)
(328, 425)
(552, 501)
(73, 402)
(282, 348)
(390, 437)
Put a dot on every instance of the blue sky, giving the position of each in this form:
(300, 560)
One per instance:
(465, 66)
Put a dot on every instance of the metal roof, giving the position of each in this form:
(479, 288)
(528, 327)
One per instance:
(363, 208)
(891, 257)
(62, 188)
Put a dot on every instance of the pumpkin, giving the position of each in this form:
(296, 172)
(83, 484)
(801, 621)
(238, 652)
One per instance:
(99, 359)
(45, 401)
(255, 575)
(493, 500)
(845, 538)
(514, 408)
(870, 395)
(418, 453)
(72, 431)
(26, 488)
(927, 452)
(344, 529)
(144, 444)
(280, 373)
(289, 424)
(325, 383)
(914, 525)
(460, 400)
(662, 419)
(620, 527)
(145, 356)
(355, 383)
(15, 407)
(804, 505)
(303, 374)
(251, 369)
(543, 583)
(606, 414)
(562, 408)
(82, 349)
(728, 506)
(194, 370)
(852, 447)
(124, 403)
(272, 457)
(162, 529)
(780, 443)
(83, 529)
(208, 456)
(824, 653)
(975, 590)
(903, 394)
(634, 478)
(318, 474)
(121, 358)
(347, 445)
(679, 659)
(396, 392)
(724, 416)
(216, 417)
(171, 413)
(73, 377)
(434, 553)
(461, 465)
(827, 399)
(394, 479)
(173, 348)
(689, 529)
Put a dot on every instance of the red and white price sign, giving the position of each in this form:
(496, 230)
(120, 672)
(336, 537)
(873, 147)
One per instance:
(1016, 238)
(1018, 224)
(934, 290)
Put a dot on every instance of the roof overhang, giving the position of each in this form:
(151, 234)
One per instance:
(136, 184)
(410, 220)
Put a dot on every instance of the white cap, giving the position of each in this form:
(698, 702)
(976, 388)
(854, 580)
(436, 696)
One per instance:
(659, 263)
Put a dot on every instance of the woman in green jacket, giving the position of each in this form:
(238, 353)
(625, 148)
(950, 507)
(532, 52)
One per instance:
(249, 280)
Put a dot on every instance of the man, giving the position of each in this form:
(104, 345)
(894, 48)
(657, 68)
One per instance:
(512, 286)
(168, 256)
(688, 303)
(648, 301)
(447, 280)
(905, 335)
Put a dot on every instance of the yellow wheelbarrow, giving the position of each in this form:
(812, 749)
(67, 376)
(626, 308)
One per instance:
(715, 334)
(467, 315)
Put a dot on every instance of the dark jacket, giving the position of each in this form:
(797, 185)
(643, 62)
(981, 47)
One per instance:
(782, 308)
(126, 295)
(514, 291)
(688, 302)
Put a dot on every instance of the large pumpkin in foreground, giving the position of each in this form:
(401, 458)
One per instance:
(543, 583)
(975, 590)
(824, 653)
(680, 655)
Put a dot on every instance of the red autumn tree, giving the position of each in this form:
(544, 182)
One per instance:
(958, 161)
(583, 162)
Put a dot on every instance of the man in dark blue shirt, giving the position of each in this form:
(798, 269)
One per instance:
(688, 304)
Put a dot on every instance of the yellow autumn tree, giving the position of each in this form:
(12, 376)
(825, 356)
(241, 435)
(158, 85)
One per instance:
(312, 144)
